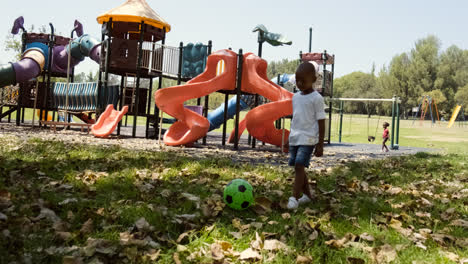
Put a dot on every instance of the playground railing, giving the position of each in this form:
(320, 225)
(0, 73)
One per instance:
(161, 58)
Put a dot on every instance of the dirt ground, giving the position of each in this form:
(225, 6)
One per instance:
(334, 154)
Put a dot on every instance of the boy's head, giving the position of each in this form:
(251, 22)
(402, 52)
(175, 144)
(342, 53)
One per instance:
(386, 124)
(306, 75)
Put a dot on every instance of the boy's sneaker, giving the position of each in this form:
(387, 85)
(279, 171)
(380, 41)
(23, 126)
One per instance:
(304, 199)
(293, 203)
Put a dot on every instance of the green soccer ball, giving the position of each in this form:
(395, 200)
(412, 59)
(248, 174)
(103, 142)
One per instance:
(238, 194)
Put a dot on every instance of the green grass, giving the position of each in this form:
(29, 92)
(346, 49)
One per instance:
(115, 187)
(356, 129)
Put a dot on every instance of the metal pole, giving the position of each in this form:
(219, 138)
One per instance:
(121, 101)
(148, 112)
(260, 43)
(206, 106)
(1, 105)
(393, 123)
(310, 39)
(226, 97)
(179, 74)
(278, 122)
(341, 120)
(24, 38)
(103, 46)
(324, 82)
(238, 92)
(254, 141)
(160, 80)
(397, 138)
(137, 86)
(99, 106)
(49, 69)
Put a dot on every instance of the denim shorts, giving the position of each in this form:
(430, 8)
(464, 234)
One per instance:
(300, 155)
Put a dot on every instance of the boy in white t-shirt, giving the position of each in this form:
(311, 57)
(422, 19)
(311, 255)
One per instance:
(307, 131)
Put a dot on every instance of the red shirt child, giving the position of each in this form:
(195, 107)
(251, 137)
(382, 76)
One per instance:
(385, 133)
(385, 136)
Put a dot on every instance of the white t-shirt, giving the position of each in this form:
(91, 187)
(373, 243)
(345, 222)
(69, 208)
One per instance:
(307, 110)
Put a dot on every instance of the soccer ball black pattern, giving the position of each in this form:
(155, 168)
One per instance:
(238, 194)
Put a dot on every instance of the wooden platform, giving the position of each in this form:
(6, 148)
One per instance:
(53, 125)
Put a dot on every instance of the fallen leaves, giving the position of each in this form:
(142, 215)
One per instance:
(90, 177)
(262, 205)
(3, 217)
(212, 206)
(459, 223)
(250, 254)
(142, 224)
(303, 260)
(385, 254)
(87, 227)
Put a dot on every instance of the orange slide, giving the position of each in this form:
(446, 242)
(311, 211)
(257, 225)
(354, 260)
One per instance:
(260, 120)
(191, 126)
(108, 121)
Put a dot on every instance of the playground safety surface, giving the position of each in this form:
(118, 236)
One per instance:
(334, 154)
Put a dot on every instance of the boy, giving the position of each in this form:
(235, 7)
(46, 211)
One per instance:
(307, 131)
(385, 136)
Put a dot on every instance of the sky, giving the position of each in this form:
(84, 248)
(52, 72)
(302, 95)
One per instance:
(360, 33)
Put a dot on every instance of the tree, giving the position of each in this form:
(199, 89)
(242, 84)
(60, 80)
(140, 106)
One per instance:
(357, 85)
(424, 62)
(461, 97)
(280, 67)
(398, 83)
(13, 42)
(451, 74)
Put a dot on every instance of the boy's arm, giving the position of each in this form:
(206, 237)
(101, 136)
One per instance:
(319, 146)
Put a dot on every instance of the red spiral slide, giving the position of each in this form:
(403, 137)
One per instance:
(191, 126)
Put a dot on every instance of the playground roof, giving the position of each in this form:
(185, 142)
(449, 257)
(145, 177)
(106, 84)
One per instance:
(134, 11)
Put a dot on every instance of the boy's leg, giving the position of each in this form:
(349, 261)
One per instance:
(299, 181)
(306, 189)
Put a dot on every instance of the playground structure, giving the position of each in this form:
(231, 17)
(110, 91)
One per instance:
(250, 71)
(251, 79)
(130, 49)
(131, 33)
(47, 56)
(427, 106)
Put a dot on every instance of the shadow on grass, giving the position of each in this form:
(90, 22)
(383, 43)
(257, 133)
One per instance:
(126, 193)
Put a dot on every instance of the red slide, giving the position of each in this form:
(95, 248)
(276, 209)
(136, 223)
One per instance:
(191, 126)
(108, 121)
(260, 120)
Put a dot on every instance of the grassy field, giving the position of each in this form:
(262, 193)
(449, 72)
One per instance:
(73, 203)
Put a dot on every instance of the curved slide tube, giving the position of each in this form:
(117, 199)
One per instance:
(259, 121)
(191, 126)
(216, 117)
(30, 66)
(108, 121)
(35, 58)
